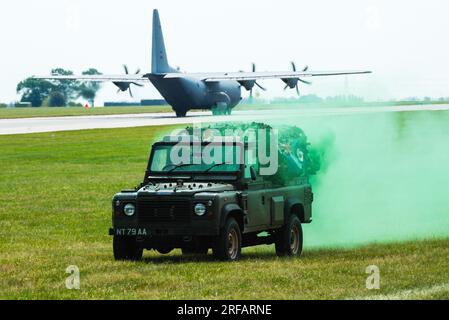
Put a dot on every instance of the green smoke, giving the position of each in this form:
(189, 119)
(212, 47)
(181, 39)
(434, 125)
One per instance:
(384, 177)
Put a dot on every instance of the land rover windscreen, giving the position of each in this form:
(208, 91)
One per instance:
(197, 161)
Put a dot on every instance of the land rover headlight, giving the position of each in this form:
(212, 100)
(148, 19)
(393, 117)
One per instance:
(200, 209)
(129, 209)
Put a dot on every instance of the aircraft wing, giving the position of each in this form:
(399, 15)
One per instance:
(251, 76)
(207, 77)
(98, 78)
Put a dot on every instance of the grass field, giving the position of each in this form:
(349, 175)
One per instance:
(17, 113)
(55, 191)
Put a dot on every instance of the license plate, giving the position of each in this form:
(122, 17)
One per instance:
(132, 232)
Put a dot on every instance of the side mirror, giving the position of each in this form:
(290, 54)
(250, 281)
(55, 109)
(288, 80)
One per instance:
(253, 173)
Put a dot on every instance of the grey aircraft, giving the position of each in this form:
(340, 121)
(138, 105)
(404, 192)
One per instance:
(219, 92)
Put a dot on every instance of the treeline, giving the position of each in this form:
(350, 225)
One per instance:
(58, 93)
(314, 99)
(351, 100)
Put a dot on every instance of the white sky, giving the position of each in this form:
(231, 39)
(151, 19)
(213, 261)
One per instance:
(404, 42)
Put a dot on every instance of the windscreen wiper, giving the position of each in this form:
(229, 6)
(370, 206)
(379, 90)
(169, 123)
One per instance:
(180, 166)
(215, 165)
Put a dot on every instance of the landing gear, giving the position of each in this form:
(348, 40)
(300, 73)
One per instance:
(221, 110)
(181, 114)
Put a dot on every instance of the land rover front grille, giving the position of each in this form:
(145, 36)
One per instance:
(153, 210)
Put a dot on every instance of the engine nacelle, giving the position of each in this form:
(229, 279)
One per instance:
(123, 86)
(248, 84)
(291, 82)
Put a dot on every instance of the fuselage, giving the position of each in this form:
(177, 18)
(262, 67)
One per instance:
(186, 93)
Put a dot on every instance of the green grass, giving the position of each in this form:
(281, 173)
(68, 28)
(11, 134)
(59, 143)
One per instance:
(55, 194)
(16, 113)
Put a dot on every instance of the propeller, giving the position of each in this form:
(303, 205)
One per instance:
(126, 86)
(255, 82)
(293, 83)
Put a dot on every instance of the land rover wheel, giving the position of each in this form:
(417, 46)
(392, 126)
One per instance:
(181, 114)
(229, 243)
(126, 248)
(289, 239)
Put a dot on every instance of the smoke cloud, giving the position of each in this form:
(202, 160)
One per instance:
(384, 178)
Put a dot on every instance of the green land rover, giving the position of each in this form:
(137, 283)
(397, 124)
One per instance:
(220, 206)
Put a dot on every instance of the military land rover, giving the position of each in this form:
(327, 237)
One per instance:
(223, 206)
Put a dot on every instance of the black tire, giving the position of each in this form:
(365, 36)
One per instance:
(229, 243)
(181, 114)
(195, 251)
(289, 239)
(127, 248)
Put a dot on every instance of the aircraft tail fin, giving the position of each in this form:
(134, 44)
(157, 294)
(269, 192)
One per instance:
(159, 55)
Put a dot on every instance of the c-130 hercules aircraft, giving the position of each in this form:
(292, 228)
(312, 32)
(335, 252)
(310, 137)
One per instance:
(219, 92)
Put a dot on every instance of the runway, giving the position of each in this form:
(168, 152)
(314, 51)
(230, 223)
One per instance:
(55, 124)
